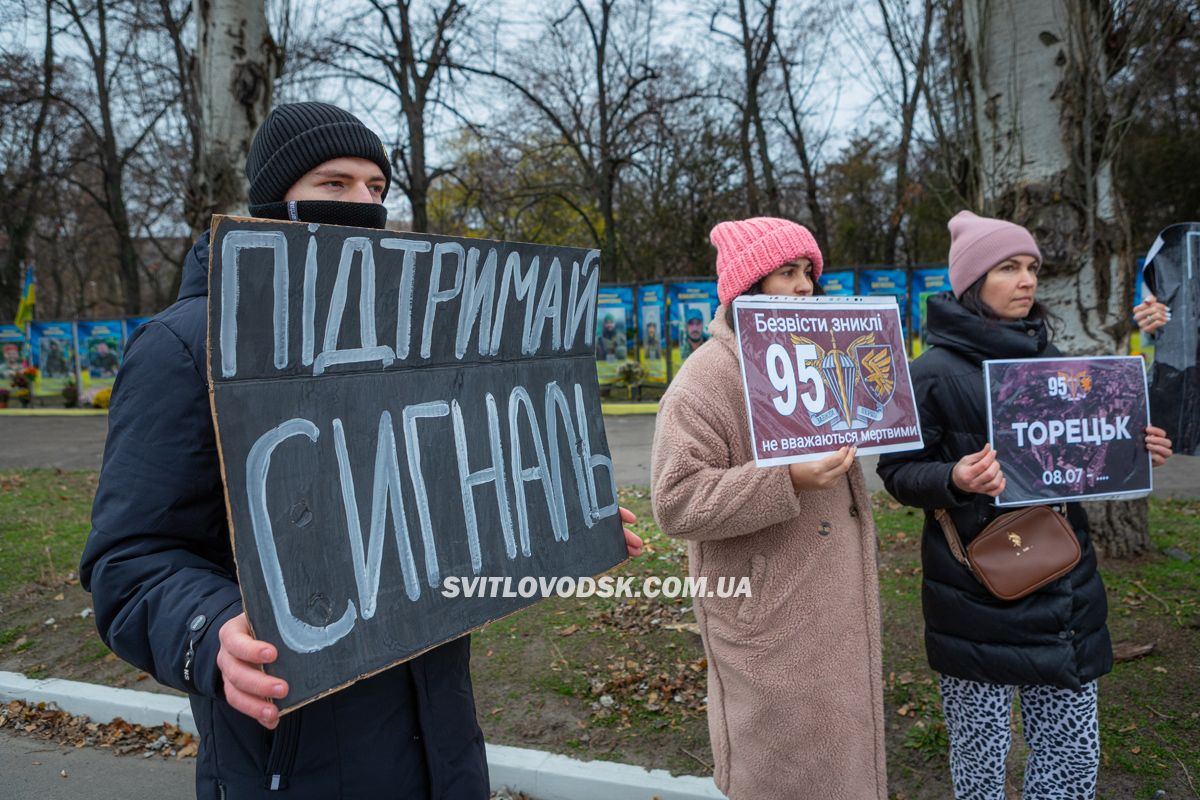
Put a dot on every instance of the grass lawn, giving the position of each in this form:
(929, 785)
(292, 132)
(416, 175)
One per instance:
(625, 680)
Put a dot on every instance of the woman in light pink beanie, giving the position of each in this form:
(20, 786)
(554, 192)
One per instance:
(751, 250)
(795, 689)
(1051, 646)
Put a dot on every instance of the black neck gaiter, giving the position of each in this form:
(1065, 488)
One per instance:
(325, 212)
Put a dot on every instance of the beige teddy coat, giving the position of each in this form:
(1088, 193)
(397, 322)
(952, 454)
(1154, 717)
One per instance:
(795, 685)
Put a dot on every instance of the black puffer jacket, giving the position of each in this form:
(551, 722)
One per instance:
(1056, 636)
(160, 568)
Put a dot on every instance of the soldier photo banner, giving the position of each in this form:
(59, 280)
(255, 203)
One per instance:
(52, 351)
(652, 331)
(692, 306)
(12, 353)
(838, 283)
(1069, 428)
(821, 373)
(101, 347)
(614, 332)
(403, 420)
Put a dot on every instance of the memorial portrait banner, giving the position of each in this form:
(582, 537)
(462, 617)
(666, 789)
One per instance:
(839, 283)
(101, 348)
(692, 305)
(821, 373)
(12, 353)
(1069, 428)
(887, 283)
(403, 421)
(652, 332)
(615, 332)
(52, 352)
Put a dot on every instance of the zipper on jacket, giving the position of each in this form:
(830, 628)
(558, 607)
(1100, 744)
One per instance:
(282, 757)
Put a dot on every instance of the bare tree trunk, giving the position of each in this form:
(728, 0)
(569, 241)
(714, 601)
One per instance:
(756, 39)
(1045, 132)
(910, 97)
(409, 62)
(237, 63)
(793, 125)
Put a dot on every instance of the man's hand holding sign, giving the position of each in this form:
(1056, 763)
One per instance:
(242, 657)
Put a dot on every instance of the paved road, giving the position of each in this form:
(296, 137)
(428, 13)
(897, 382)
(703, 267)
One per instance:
(73, 443)
(32, 770)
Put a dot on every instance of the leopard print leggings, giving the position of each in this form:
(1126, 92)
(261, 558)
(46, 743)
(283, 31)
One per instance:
(1060, 725)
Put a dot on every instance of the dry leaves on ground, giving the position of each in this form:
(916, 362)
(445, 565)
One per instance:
(48, 722)
(655, 678)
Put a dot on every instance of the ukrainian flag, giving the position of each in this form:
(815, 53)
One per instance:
(28, 297)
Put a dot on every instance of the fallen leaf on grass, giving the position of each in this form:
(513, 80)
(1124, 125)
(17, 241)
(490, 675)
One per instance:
(567, 631)
(688, 627)
(1128, 651)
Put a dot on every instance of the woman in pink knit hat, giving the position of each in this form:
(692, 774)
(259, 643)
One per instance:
(1050, 646)
(795, 689)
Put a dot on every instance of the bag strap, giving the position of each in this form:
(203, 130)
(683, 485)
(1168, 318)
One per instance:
(952, 537)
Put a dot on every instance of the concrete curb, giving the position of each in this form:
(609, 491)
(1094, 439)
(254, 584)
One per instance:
(101, 703)
(545, 776)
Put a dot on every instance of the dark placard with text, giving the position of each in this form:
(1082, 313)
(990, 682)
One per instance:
(1069, 428)
(397, 412)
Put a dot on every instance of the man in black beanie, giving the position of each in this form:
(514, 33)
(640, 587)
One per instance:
(313, 162)
(159, 561)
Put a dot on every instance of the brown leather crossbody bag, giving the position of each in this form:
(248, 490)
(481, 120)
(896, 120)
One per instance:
(1018, 552)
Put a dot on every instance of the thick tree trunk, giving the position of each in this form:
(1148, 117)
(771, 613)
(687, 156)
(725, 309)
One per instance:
(1119, 529)
(1044, 128)
(238, 63)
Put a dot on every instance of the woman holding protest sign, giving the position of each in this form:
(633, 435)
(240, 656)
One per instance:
(795, 690)
(1051, 645)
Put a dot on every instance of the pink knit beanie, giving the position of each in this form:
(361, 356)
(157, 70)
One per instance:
(748, 250)
(979, 243)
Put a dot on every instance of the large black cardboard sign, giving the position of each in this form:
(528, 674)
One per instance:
(394, 410)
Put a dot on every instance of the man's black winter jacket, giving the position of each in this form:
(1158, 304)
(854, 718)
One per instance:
(1056, 636)
(160, 568)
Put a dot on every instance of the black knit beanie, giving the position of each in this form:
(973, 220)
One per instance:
(298, 137)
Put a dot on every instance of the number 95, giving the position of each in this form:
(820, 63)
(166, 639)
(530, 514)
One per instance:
(784, 378)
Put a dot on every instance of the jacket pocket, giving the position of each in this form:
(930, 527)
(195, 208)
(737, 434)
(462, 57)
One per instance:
(750, 608)
(282, 757)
